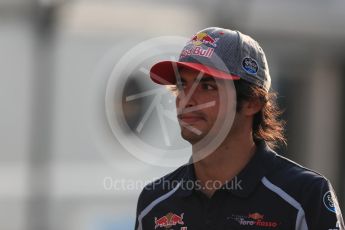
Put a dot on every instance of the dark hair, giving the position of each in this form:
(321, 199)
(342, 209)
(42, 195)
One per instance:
(267, 125)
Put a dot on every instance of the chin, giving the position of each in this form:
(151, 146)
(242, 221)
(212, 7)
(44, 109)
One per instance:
(191, 137)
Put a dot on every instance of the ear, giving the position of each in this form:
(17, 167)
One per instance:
(251, 107)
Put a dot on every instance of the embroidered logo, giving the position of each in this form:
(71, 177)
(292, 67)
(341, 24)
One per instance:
(169, 220)
(250, 65)
(201, 44)
(204, 38)
(254, 219)
(328, 201)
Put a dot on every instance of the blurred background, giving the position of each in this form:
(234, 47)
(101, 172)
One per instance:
(59, 159)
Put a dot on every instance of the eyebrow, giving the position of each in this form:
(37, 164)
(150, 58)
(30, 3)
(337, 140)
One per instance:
(204, 79)
(207, 79)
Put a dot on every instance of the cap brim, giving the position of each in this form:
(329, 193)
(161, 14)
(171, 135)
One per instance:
(164, 72)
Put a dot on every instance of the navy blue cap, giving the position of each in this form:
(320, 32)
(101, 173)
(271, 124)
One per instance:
(221, 53)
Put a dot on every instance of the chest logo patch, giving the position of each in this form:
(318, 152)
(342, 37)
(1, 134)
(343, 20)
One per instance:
(254, 219)
(169, 220)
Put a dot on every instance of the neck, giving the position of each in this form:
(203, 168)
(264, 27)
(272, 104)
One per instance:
(226, 161)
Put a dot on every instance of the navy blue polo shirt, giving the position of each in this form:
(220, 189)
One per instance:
(271, 192)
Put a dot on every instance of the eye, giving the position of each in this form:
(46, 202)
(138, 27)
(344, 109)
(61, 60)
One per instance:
(208, 86)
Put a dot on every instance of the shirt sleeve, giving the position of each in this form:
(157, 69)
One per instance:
(321, 207)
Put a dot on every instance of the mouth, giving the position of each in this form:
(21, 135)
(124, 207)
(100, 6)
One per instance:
(190, 118)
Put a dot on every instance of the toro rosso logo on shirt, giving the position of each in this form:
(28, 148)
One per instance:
(254, 219)
(169, 220)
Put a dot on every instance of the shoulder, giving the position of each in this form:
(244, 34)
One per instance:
(298, 185)
(295, 177)
(308, 191)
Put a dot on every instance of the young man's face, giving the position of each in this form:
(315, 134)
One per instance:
(198, 104)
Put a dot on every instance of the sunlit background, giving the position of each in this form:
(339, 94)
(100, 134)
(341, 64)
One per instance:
(58, 156)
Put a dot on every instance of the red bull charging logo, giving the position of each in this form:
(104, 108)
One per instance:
(203, 38)
(202, 44)
(169, 220)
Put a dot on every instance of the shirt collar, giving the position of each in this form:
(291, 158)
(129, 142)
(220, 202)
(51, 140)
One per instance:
(187, 186)
(245, 182)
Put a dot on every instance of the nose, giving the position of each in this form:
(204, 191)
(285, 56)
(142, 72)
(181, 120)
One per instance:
(186, 98)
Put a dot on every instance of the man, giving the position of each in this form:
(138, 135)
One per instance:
(240, 183)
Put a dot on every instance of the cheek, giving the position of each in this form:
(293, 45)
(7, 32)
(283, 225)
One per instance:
(217, 113)
(213, 111)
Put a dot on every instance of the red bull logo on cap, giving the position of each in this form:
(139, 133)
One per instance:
(169, 220)
(204, 38)
(201, 44)
(198, 51)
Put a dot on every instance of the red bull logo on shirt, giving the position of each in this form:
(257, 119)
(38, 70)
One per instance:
(169, 220)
